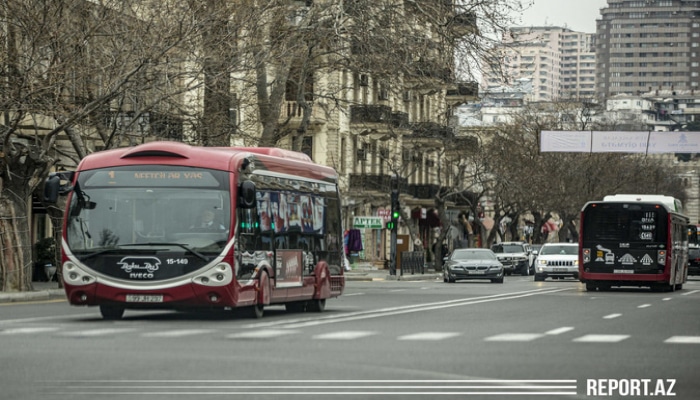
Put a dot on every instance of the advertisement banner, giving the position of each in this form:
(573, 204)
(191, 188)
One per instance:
(619, 142)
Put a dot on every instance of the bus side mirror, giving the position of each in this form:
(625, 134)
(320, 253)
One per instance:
(51, 187)
(246, 194)
(54, 188)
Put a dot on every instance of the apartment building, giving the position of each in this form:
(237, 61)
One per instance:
(559, 62)
(644, 45)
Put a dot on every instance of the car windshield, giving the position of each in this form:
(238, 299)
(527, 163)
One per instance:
(466, 255)
(509, 248)
(563, 250)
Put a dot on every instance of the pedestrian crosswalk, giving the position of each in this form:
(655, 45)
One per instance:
(66, 331)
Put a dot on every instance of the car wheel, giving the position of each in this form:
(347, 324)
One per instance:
(539, 278)
(497, 280)
(525, 270)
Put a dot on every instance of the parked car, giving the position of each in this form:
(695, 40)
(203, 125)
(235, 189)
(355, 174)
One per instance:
(515, 256)
(557, 260)
(694, 260)
(473, 264)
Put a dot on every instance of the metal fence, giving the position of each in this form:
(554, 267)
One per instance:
(412, 262)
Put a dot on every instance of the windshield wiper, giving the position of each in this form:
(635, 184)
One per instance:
(184, 246)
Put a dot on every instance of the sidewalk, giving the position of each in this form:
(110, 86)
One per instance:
(362, 272)
(42, 291)
(368, 272)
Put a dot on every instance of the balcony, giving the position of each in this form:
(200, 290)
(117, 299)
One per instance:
(399, 120)
(424, 191)
(370, 114)
(432, 130)
(465, 24)
(433, 69)
(371, 182)
(462, 92)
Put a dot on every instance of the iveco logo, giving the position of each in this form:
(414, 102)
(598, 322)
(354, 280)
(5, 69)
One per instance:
(140, 267)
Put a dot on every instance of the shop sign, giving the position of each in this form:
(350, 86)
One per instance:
(368, 222)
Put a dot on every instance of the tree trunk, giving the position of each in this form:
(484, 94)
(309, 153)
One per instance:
(15, 249)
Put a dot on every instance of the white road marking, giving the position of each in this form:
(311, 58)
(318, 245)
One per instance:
(683, 339)
(353, 294)
(178, 333)
(691, 292)
(514, 337)
(559, 331)
(95, 332)
(15, 331)
(429, 336)
(611, 316)
(392, 311)
(261, 334)
(344, 335)
(644, 306)
(601, 338)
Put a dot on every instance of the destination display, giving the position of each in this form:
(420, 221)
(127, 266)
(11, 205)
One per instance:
(164, 176)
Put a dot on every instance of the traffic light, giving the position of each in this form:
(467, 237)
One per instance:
(395, 214)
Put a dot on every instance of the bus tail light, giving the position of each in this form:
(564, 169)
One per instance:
(586, 255)
(661, 257)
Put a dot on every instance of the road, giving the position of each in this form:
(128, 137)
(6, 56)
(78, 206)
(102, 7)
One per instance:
(382, 339)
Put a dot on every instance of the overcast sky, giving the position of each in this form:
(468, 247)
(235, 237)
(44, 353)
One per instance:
(577, 15)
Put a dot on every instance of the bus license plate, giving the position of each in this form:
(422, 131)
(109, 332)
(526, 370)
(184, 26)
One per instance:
(144, 298)
(623, 271)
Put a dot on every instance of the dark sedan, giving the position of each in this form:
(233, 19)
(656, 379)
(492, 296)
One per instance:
(473, 264)
(694, 261)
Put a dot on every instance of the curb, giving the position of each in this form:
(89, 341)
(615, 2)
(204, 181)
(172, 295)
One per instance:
(38, 295)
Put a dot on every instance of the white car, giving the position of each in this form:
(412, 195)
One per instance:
(557, 260)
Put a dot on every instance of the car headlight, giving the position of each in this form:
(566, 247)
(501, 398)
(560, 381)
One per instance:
(542, 262)
(575, 263)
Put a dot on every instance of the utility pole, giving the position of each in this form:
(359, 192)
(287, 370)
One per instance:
(393, 224)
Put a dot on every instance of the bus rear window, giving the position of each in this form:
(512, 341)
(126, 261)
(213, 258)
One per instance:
(624, 223)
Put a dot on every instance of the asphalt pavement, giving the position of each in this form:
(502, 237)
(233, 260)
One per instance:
(360, 272)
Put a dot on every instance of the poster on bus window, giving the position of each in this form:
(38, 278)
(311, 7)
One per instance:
(291, 212)
(265, 211)
(289, 268)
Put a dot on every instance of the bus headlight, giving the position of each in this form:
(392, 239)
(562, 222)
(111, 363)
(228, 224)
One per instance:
(76, 276)
(219, 275)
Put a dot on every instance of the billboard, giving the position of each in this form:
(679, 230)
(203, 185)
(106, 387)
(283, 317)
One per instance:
(647, 142)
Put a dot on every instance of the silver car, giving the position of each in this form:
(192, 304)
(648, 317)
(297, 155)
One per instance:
(557, 260)
(473, 264)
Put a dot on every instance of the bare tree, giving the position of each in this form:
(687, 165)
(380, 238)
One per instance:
(79, 76)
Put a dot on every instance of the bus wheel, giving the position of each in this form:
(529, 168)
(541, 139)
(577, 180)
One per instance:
(591, 287)
(679, 286)
(317, 305)
(112, 312)
(257, 311)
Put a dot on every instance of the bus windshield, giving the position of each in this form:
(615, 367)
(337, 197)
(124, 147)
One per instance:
(147, 208)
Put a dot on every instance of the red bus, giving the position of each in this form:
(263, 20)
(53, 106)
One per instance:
(633, 240)
(133, 239)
